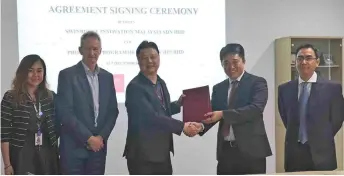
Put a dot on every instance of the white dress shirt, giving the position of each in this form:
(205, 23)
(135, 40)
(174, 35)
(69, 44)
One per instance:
(313, 79)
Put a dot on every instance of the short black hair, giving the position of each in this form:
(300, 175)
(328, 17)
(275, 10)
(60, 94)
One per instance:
(89, 34)
(146, 44)
(306, 46)
(232, 48)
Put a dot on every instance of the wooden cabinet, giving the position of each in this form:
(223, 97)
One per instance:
(330, 50)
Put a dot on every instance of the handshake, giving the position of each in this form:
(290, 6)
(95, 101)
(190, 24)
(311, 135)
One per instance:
(192, 128)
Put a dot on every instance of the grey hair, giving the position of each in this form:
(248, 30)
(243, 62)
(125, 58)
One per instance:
(89, 34)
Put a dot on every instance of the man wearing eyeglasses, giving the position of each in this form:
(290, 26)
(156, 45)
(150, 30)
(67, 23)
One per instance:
(239, 103)
(311, 109)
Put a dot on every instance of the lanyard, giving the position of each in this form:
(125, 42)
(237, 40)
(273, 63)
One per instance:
(159, 93)
(38, 113)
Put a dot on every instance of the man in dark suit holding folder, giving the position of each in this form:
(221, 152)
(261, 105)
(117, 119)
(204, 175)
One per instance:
(150, 125)
(242, 143)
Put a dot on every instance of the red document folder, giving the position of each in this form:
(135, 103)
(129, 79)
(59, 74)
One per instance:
(196, 103)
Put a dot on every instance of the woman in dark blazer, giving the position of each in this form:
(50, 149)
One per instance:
(29, 134)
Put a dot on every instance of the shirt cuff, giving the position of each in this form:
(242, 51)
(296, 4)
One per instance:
(202, 127)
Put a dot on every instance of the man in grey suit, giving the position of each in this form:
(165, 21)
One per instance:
(87, 109)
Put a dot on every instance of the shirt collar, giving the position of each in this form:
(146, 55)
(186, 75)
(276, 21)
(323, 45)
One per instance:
(313, 79)
(238, 79)
(96, 70)
(158, 81)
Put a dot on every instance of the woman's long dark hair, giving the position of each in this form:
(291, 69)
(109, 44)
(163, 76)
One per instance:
(19, 84)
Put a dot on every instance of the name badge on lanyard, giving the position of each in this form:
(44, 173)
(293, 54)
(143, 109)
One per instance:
(38, 135)
(160, 94)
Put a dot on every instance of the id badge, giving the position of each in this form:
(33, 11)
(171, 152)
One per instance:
(38, 139)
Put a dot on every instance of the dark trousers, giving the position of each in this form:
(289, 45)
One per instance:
(94, 164)
(140, 167)
(301, 160)
(233, 162)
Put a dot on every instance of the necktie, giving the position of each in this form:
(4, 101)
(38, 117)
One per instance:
(227, 129)
(303, 101)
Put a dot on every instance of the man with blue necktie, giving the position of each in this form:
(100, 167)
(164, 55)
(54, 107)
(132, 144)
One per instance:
(311, 109)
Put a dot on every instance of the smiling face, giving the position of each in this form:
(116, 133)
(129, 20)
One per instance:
(90, 51)
(35, 74)
(233, 65)
(149, 61)
(306, 62)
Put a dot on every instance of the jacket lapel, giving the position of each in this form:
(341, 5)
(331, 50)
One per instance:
(223, 94)
(294, 100)
(166, 97)
(84, 84)
(152, 92)
(102, 93)
(315, 97)
(241, 89)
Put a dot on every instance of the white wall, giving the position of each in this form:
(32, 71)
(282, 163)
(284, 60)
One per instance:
(9, 43)
(254, 24)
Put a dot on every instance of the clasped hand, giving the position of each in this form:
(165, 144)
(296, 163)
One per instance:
(95, 143)
(192, 128)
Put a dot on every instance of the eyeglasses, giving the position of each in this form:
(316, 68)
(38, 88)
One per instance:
(306, 58)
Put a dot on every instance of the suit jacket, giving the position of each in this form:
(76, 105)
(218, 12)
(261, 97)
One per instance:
(324, 119)
(150, 126)
(76, 113)
(246, 117)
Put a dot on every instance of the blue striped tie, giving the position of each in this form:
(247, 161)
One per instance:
(303, 101)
